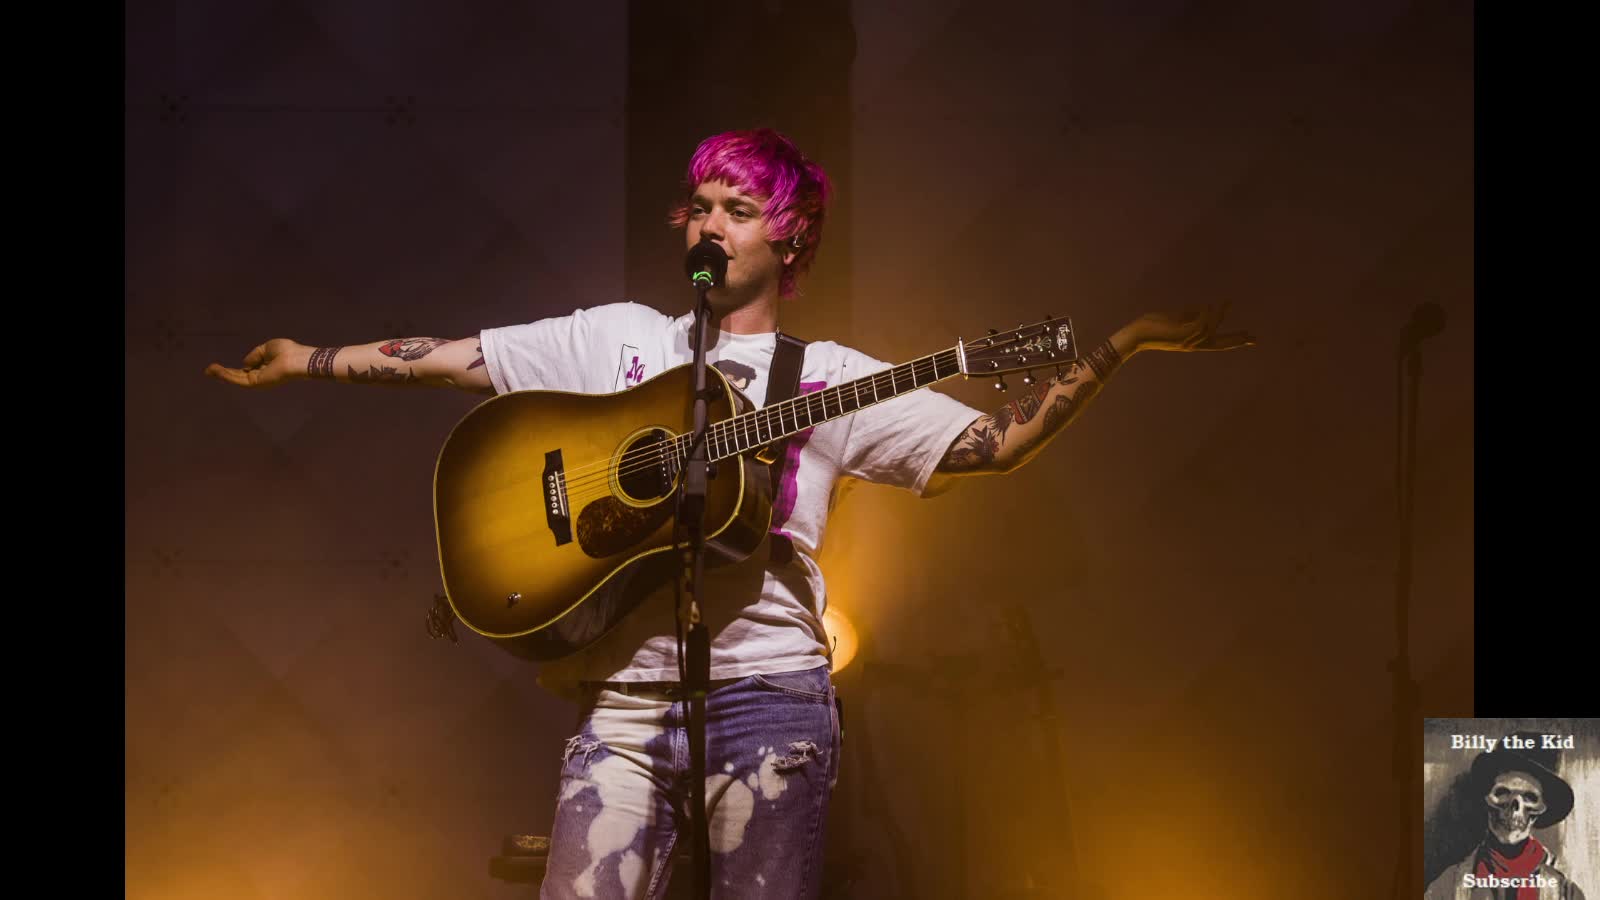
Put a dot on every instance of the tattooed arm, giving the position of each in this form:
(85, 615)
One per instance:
(434, 362)
(1015, 433)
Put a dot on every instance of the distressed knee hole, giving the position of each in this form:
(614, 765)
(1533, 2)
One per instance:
(579, 745)
(800, 753)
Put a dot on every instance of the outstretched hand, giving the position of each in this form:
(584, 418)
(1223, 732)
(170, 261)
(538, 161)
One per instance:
(1190, 329)
(270, 364)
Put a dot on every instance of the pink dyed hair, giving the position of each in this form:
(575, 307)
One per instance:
(765, 164)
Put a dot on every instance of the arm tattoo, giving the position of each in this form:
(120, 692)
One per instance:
(479, 361)
(385, 375)
(1027, 406)
(410, 349)
(978, 444)
(1104, 360)
(321, 364)
(1067, 406)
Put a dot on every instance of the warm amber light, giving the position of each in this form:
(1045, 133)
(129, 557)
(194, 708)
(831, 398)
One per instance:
(842, 635)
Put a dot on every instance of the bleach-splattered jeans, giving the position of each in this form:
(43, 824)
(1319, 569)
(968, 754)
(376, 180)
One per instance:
(772, 757)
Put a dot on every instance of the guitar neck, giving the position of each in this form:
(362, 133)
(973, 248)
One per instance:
(741, 434)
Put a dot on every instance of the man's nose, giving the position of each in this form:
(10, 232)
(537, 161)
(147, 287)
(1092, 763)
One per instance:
(714, 225)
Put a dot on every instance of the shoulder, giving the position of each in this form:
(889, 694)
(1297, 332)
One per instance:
(1444, 887)
(1569, 889)
(625, 313)
(849, 360)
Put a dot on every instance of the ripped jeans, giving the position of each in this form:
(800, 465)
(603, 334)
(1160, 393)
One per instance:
(772, 758)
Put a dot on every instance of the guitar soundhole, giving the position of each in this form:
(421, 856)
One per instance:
(648, 467)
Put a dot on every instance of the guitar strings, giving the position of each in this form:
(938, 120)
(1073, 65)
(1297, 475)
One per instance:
(594, 479)
(649, 456)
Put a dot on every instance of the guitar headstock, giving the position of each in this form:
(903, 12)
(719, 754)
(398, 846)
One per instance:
(1042, 345)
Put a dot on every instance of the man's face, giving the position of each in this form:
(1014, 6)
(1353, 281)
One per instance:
(735, 221)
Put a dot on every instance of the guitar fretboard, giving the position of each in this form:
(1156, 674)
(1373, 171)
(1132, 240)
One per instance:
(741, 434)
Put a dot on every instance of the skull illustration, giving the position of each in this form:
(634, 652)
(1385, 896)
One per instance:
(1515, 800)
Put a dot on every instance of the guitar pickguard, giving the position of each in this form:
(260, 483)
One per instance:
(608, 526)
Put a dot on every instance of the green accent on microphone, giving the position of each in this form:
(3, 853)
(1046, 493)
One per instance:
(703, 278)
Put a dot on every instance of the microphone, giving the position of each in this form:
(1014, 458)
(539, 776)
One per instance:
(706, 265)
(1427, 320)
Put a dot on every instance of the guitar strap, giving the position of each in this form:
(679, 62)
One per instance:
(783, 383)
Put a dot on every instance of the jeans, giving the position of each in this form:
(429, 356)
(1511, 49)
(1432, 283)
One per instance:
(772, 758)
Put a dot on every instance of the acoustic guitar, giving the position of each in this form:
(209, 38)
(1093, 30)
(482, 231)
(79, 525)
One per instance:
(542, 500)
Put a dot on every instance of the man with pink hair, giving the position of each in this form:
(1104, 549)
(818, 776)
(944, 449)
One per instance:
(772, 735)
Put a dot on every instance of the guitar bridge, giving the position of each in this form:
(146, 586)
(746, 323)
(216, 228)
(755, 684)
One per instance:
(556, 514)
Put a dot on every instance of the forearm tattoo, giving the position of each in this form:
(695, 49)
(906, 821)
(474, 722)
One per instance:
(977, 445)
(410, 349)
(1027, 406)
(321, 363)
(1104, 360)
(479, 361)
(1067, 406)
(385, 375)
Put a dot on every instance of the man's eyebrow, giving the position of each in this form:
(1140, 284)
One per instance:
(703, 200)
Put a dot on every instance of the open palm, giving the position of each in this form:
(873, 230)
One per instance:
(1190, 329)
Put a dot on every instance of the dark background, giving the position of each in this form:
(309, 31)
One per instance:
(1206, 557)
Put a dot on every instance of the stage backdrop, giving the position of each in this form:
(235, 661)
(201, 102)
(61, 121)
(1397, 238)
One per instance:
(1151, 663)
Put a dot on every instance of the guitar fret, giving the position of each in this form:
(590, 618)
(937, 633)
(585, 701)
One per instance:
(761, 427)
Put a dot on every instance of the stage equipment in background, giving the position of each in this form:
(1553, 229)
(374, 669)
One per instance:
(1427, 320)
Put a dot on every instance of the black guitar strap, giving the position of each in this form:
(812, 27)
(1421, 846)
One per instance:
(783, 383)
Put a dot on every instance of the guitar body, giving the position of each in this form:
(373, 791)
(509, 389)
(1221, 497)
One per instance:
(545, 501)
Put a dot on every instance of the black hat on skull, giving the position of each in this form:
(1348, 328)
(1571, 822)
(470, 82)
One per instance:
(1539, 763)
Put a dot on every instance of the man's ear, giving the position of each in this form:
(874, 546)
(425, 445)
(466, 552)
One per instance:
(789, 250)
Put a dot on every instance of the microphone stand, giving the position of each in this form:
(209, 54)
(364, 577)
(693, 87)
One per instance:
(695, 663)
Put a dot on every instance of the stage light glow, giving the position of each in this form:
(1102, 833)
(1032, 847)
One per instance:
(842, 635)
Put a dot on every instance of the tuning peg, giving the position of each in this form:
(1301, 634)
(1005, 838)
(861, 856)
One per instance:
(1028, 377)
(1000, 384)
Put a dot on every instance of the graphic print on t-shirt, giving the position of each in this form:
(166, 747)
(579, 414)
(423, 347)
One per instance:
(783, 499)
(629, 370)
(739, 375)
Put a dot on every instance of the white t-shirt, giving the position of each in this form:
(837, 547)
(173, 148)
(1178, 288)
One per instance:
(763, 616)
